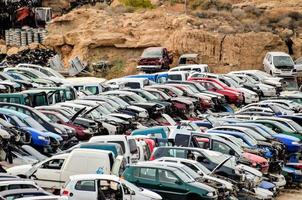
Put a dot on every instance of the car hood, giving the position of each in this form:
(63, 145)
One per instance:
(120, 115)
(139, 109)
(272, 81)
(250, 170)
(18, 170)
(287, 137)
(53, 135)
(254, 158)
(246, 91)
(227, 184)
(202, 185)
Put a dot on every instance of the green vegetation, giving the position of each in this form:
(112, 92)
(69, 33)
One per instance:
(137, 3)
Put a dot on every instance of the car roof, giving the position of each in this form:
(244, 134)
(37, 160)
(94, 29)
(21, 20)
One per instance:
(17, 181)
(278, 53)
(94, 176)
(152, 164)
(20, 191)
(154, 48)
(13, 112)
(189, 55)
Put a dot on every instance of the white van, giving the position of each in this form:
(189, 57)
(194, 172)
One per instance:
(178, 76)
(127, 143)
(133, 83)
(279, 64)
(55, 171)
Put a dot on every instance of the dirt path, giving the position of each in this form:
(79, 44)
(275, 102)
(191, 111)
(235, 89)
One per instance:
(290, 194)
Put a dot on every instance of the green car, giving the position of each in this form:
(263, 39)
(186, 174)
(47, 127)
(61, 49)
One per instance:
(28, 97)
(169, 182)
(278, 127)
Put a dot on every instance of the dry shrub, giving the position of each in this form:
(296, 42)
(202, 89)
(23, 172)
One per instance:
(238, 13)
(116, 71)
(251, 9)
(226, 29)
(137, 3)
(210, 4)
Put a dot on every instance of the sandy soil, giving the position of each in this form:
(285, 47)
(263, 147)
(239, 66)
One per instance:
(290, 194)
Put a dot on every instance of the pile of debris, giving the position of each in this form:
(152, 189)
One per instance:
(32, 56)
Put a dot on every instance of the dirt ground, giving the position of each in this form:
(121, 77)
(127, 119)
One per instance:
(290, 194)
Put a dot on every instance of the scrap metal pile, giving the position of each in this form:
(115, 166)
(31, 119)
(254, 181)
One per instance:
(234, 136)
(32, 56)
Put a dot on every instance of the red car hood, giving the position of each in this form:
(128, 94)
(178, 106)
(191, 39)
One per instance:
(254, 158)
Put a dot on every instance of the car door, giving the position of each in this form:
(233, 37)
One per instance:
(48, 174)
(84, 189)
(145, 177)
(170, 185)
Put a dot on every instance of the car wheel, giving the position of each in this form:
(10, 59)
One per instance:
(194, 197)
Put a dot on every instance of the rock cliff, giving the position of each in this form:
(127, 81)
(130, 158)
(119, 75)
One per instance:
(228, 39)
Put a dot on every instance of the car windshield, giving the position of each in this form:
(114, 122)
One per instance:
(137, 98)
(108, 107)
(262, 74)
(217, 158)
(57, 74)
(33, 123)
(254, 134)
(202, 168)
(296, 126)
(232, 82)
(120, 101)
(199, 87)
(148, 95)
(217, 86)
(152, 53)
(281, 61)
(183, 176)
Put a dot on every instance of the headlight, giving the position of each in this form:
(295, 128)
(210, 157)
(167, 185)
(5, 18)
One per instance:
(143, 114)
(298, 172)
(211, 194)
(41, 138)
(58, 131)
(296, 143)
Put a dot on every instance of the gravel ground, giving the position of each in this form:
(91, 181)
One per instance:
(290, 194)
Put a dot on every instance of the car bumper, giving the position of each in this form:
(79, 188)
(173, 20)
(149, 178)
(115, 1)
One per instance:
(148, 67)
(253, 99)
(269, 93)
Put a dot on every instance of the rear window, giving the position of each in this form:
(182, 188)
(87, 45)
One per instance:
(174, 77)
(133, 85)
(164, 152)
(120, 143)
(86, 185)
(132, 145)
(146, 173)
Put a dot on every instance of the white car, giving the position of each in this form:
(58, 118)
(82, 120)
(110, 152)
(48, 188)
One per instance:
(92, 186)
(267, 90)
(18, 184)
(279, 64)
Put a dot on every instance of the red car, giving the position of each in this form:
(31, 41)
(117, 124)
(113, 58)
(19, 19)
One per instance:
(81, 133)
(155, 59)
(232, 96)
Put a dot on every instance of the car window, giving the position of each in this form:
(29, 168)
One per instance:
(220, 147)
(86, 185)
(53, 164)
(174, 77)
(120, 143)
(165, 176)
(182, 140)
(147, 173)
(191, 166)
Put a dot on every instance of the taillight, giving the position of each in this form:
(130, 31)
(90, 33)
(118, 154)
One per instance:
(65, 193)
(152, 158)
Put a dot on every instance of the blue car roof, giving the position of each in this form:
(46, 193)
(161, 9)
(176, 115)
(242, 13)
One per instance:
(13, 112)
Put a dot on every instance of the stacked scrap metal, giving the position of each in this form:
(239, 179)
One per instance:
(32, 56)
(23, 37)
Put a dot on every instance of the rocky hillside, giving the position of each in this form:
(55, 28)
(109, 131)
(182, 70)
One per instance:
(228, 34)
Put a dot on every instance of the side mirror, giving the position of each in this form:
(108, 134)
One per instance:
(232, 152)
(132, 192)
(200, 173)
(178, 182)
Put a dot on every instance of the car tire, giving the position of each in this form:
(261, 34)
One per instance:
(194, 197)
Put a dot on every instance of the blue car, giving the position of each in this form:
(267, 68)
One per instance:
(160, 77)
(153, 132)
(39, 135)
(292, 175)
